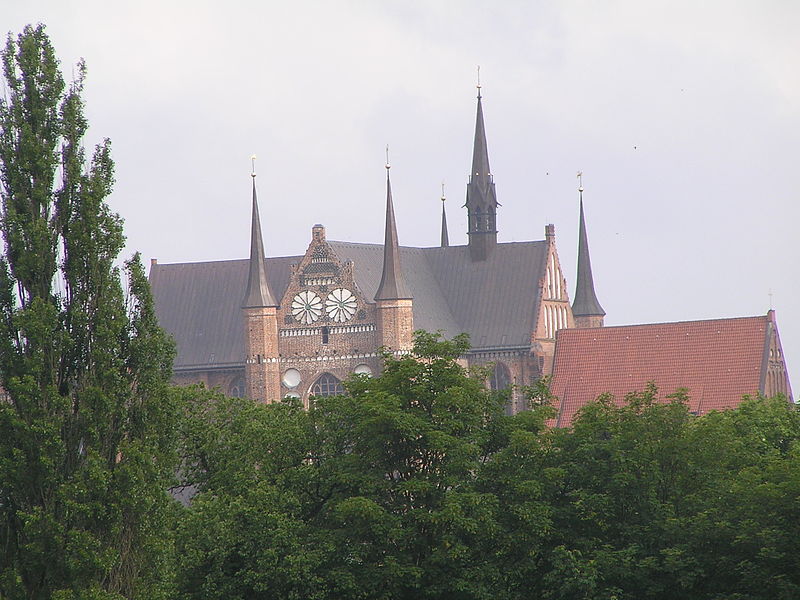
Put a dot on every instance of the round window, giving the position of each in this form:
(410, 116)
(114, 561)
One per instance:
(291, 378)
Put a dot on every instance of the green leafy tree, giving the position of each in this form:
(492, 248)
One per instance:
(371, 494)
(744, 530)
(87, 421)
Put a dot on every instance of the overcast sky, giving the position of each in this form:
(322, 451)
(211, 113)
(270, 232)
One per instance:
(684, 117)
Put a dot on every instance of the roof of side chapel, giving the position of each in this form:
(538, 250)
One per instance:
(717, 361)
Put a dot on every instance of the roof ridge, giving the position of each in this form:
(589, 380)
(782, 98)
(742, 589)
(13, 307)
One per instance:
(630, 325)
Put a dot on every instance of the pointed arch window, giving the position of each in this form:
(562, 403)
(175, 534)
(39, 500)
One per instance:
(236, 389)
(500, 378)
(327, 385)
(478, 217)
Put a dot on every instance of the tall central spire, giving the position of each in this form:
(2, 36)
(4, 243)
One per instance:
(481, 196)
(480, 154)
(258, 293)
(393, 284)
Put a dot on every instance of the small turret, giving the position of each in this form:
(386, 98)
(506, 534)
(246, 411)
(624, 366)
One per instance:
(262, 375)
(393, 298)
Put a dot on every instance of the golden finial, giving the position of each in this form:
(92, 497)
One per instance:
(253, 162)
(388, 166)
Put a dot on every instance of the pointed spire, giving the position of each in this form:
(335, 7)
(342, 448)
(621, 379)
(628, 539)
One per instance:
(480, 154)
(586, 303)
(393, 284)
(445, 237)
(258, 294)
(481, 196)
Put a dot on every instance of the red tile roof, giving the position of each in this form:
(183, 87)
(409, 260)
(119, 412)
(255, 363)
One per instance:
(718, 361)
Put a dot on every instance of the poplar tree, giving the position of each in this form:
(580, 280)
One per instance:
(86, 416)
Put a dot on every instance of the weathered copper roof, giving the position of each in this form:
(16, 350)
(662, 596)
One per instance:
(586, 303)
(718, 361)
(494, 301)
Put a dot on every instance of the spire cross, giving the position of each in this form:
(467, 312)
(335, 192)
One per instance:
(479, 81)
(770, 298)
(253, 162)
(388, 166)
(443, 191)
(580, 183)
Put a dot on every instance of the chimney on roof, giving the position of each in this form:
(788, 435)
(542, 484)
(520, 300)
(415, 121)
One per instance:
(550, 233)
(318, 233)
(153, 262)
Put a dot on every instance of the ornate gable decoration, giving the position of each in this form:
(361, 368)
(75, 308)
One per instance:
(322, 290)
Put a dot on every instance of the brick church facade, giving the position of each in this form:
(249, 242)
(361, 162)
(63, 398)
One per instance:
(298, 326)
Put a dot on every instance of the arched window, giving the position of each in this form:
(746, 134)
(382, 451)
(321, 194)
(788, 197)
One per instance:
(236, 389)
(501, 377)
(327, 385)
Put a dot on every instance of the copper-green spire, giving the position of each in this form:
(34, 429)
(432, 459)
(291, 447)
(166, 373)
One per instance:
(586, 303)
(393, 284)
(258, 294)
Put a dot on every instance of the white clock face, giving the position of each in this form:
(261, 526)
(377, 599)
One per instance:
(306, 307)
(340, 305)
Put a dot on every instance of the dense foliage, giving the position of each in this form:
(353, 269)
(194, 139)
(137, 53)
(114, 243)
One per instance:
(86, 421)
(416, 485)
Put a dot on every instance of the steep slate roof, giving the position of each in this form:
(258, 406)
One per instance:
(718, 361)
(495, 301)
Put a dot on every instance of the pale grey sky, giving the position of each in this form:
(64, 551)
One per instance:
(683, 116)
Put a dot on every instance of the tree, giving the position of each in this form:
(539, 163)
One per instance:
(378, 493)
(86, 427)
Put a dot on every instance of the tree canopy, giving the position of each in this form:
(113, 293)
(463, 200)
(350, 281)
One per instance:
(86, 422)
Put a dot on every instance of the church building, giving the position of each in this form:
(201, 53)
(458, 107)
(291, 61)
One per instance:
(298, 326)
